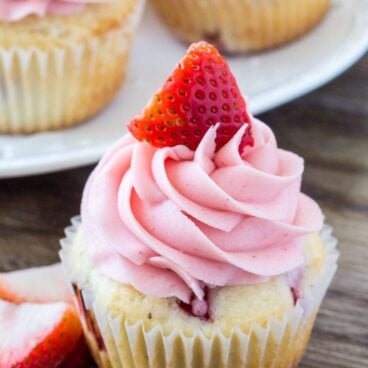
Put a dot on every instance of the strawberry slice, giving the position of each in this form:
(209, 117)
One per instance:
(37, 335)
(36, 285)
(79, 357)
(200, 92)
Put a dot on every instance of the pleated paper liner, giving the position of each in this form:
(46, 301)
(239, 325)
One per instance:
(47, 89)
(281, 344)
(241, 25)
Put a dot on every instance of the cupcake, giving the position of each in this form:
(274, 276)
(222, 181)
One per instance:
(195, 246)
(61, 61)
(241, 25)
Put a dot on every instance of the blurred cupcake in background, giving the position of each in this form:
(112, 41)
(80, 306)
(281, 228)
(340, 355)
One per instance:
(61, 61)
(241, 25)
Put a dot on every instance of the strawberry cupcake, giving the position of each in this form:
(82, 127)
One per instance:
(195, 245)
(241, 25)
(61, 61)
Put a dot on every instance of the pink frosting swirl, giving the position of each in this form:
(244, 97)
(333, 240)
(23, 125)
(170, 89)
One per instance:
(14, 10)
(171, 221)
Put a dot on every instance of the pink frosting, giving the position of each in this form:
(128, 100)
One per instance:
(172, 221)
(14, 10)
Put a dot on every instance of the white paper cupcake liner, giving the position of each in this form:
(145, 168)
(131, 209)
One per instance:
(280, 344)
(52, 88)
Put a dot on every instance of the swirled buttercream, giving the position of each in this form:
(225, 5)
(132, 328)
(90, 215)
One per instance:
(171, 221)
(14, 10)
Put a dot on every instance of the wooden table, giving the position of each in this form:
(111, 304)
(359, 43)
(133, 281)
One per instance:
(330, 129)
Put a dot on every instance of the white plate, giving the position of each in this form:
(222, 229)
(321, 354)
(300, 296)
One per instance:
(268, 79)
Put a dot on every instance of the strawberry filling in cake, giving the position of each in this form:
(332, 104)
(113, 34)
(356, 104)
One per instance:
(89, 318)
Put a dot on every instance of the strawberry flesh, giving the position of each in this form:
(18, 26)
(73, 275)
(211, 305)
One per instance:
(80, 357)
(200, 93)
(36, 285)
(37, 335)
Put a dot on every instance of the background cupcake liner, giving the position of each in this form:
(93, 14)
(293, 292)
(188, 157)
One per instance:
(46, 89)
(241, 25)
(116, 343)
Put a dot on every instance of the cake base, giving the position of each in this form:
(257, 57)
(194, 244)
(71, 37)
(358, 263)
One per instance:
(120, 340)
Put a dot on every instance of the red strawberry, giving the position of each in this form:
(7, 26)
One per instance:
(37, 335)
(36, 285)
(200, 92)
(79, 357)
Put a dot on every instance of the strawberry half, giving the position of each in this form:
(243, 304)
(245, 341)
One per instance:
(79, 358)
(36, 285)
(37, 335)
(200, 92)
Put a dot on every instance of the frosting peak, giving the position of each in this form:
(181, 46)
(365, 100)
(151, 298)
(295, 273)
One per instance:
(171, 221)
(14, 10)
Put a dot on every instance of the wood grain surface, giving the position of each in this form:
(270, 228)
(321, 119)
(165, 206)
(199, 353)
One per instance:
(329, 128)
